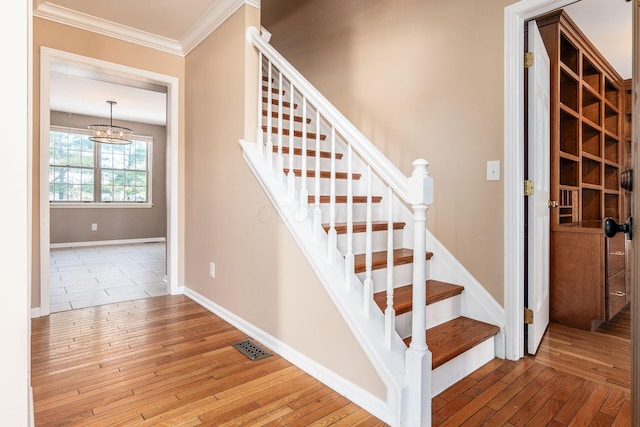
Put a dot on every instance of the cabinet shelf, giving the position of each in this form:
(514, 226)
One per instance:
(591, 75)
(569, 133)
(591, 105)
(569, 90)
(568, 54)
(591, 139)
(611, 119)
(611, 92)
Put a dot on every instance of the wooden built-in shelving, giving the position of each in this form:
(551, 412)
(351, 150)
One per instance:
(588, 154)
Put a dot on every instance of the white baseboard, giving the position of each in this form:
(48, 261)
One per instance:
(356, 394)
(32, 419)
(35, 312)
(108, 242)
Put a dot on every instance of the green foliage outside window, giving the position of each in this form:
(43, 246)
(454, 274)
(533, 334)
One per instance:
(83, 171)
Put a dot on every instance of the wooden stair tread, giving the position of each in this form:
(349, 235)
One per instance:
(403, 296)
(311, 153)
(323, 174)
(454, 337)
(379, 259)
(361, 227)
(343, 199)
(274, 90)
(285, 117)
(275, 101)
(296, 133)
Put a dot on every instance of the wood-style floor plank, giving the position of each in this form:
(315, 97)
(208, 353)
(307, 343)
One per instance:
(165, 360)
(168, 361)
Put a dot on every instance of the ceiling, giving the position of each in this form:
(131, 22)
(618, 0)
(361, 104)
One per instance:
(169, 26)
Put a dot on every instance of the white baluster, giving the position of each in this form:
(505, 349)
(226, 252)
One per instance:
(304, 193)
(389, 312)
(332, 235)
(317, 214)
(291, 182)
(259, 132)
(279, 158)
(349, 259)
(368, 281)
(269, 152)
(418, 357)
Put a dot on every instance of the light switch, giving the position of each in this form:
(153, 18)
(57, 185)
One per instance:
(493, 170)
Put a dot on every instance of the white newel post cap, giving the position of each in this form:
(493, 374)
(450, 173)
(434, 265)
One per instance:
(420, 184)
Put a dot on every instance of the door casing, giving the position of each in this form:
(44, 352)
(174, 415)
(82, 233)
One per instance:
(514, 21)
(50, 56)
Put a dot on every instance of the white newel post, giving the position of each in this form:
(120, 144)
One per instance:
(417, 411)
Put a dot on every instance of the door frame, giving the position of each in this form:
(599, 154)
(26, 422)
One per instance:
(514, 19)
(49, 56)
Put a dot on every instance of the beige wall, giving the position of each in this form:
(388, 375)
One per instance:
(74, 225)
(261, 274)
(80, 42)
(419, 79)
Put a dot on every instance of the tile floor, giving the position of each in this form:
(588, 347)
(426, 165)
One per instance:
(95, 275)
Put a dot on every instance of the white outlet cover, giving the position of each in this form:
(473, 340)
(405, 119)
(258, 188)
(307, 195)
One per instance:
(493, 170)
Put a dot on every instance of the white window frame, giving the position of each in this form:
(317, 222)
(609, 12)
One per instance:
(97, 169)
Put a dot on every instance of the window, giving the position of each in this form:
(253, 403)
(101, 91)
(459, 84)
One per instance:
(82, 171)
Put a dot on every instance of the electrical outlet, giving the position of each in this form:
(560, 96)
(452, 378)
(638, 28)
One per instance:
(94, 227)
(212, 270)
(493, 170)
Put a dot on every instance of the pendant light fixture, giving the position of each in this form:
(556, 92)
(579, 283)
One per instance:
(110, 134)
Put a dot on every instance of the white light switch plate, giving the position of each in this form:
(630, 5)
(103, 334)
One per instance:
(493, 170)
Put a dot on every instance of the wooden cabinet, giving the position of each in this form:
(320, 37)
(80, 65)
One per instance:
(587, 271)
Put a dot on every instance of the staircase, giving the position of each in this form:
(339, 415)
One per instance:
(425, 323)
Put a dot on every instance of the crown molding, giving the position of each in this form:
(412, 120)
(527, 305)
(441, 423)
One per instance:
(86, 22)
(211, 20)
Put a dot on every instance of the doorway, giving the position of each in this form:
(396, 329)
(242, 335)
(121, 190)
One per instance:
(515, 17)
(51, 58)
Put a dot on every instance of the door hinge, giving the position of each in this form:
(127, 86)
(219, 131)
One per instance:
(528, 59)
(528, 316)
(528, 188)
(553, 203)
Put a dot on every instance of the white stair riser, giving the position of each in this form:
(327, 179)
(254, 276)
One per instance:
(437, 314)
(459, 367)
(359, 211)
(325, 164)
(325, 186)
(378, 241)
(402, 275)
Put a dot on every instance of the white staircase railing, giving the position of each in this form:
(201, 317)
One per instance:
(409, 384)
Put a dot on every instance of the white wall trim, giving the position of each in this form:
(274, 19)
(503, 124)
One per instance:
(49, 56)
(65, 16)
(356, 394)
(514, 18)
(35, 312)
(107, 242)
(208, 23)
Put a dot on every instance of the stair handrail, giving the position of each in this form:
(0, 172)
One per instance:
(369, 152)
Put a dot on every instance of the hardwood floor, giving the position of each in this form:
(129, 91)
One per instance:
(169, 361)
(577, 378)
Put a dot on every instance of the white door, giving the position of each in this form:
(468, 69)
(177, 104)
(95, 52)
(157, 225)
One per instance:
(538, 158)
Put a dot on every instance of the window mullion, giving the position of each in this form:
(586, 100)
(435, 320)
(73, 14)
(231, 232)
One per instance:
(97, 173)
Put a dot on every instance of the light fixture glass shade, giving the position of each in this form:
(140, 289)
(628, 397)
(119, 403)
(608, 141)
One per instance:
(110, 134)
